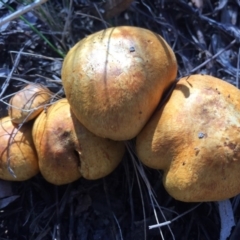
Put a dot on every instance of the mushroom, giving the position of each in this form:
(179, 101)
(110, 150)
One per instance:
(18, 158)
(115, 78)
(194, 138)
(28, 103)
(67, 150)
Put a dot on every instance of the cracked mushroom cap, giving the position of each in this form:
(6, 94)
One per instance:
(26, 104)
(195, 139)
(67, 150)
(115, 78)
(17, 151)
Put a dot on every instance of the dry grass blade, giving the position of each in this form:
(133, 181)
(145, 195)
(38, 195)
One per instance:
(140, 173)
(159, 225)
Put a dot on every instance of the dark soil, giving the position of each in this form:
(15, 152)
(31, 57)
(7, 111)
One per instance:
(120, 205)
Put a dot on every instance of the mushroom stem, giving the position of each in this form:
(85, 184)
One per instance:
(226, 217)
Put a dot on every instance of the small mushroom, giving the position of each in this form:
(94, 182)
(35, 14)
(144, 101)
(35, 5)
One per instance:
(18, 158)
(28, 103)
(67, 150)
(115, 78)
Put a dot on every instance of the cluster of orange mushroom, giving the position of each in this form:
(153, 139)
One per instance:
(114, 81)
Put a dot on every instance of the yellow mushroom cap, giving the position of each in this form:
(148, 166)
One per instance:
(195, 140)
(115, 78)
(17, 151)
(67, 150)
(26, 104)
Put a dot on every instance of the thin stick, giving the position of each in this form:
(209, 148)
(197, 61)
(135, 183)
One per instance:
(169, 222)
(21, 11)
(213, 57)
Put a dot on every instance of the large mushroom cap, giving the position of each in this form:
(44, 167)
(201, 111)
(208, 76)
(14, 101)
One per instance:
(195, 140)
(67, 150)
(17, 151)
(114, 79)
(28, 103)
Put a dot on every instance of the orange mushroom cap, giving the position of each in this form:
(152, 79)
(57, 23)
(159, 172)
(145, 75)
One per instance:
(115, 78)
(67, 150)
(17, 151)
(26, 104)
(194, 138)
